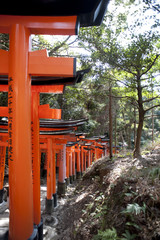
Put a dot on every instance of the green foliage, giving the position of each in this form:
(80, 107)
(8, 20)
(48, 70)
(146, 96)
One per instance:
(154, 173)
(132, 224)
(57, 47)
(108, 234)
(128, 236)
(130, 65)
(134, 209)
(3, 99)
(4, 41)
(152, 4)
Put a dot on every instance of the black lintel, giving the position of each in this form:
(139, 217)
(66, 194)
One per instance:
(89, 12)
(61, 123)
(59, 132)
(43, 80)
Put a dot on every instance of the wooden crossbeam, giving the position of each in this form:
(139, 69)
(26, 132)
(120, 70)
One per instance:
(46, 112)
(41, 24)
(58, 89)
(42, 65)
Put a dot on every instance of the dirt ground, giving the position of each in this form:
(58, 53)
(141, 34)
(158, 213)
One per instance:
(122, 194)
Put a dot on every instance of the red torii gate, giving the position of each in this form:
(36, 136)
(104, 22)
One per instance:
(38, 111)
(42, 111)
(52, 143)
(19, 95)
(19, 65)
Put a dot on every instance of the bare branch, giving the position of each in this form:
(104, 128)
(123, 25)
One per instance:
(148, 109)
(150, 99)
(125, 69)
(149, 116)
(144, 86)
(59, 46)
(151, 65)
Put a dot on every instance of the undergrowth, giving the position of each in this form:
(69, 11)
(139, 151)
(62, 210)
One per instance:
(127, 208)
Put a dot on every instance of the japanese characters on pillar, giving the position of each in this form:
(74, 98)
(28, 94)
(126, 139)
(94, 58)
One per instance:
(10, 119)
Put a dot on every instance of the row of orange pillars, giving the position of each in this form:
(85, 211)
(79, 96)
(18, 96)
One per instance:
(24, 75)
(64, 149)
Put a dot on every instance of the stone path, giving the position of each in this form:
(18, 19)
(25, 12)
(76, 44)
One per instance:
(50, 222)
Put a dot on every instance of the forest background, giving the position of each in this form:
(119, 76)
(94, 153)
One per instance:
(120, 94)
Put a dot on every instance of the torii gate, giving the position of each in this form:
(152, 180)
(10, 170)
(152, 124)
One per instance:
(21, 65)
(42, 111)
(51, 145)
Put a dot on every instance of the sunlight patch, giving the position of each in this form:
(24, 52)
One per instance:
(79, 198)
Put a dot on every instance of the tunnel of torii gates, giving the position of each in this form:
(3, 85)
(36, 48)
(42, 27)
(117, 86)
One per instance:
(52, 17)
(74, 152)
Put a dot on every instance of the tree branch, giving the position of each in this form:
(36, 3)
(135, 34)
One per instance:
(151, 65)
(59, 46)
(148, 109)
(150, 99)
(149, 116)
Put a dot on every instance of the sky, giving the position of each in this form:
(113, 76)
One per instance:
(133, 12)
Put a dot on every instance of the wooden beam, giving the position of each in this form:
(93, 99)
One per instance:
(41, 24)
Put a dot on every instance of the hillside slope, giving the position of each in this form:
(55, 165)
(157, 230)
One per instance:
(114, 200)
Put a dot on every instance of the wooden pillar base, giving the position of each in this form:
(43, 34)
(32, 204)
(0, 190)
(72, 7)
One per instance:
(79, 175)
(74, 177)
(34, 235)
(40, 230)
(71, 179)
(67, 181)
(61, 188)
(49, 206)
(1, 195)
(55, 200)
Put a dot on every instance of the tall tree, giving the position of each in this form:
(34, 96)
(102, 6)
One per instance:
(132, 65)
(135, 63)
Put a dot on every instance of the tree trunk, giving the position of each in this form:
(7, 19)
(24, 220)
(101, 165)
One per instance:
(137, 152)
(134, 126)
(110, 123)
(129, 131)
(129, 135)
(115, 138)
(152, 126)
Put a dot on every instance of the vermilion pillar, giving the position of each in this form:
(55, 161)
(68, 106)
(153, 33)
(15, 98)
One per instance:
(2, 168)
(20, 165)
(70, 167)
(82, 159)
(36, 163)
(73, 164)
(78, 164)
(89, 158)
(54, 177)
(64, 162)
(62, 173)
(96, 152)
(49, 177)
(67, 165)
(85, 159)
